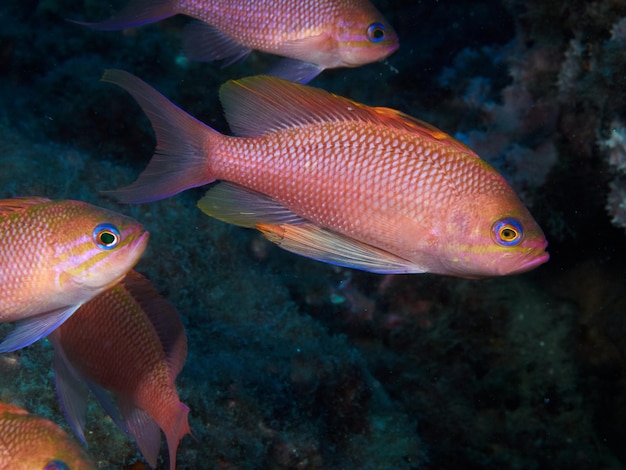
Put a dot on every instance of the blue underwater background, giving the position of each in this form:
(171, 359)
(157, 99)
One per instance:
(295, 364)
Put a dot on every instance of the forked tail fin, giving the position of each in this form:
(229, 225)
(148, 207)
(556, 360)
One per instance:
(180, 159)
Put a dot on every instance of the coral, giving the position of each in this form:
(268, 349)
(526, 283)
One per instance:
(513, 126)
(615, 148)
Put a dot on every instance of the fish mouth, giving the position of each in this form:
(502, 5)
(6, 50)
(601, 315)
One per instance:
(533, 263)
(141, 242)
(138, 247)
(128, 257)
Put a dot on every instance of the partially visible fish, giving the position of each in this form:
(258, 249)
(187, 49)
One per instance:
(130, 342)
(55, 256)
(28, 442)
(314, 34)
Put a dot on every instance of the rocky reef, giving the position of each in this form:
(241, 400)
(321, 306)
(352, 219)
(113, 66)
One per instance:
(297, 364)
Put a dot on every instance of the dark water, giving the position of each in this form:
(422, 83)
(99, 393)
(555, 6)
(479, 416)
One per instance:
(296, 364)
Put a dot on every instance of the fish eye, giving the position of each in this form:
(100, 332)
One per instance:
(376, 32)
(106, 236)
(508, 231)
(56, 465)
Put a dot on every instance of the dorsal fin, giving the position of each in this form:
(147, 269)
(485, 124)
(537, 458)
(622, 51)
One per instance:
(12, 409)
(260, 104)
(163, 317)
(19, 204)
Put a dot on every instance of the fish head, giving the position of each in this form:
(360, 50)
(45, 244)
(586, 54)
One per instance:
(38, 443)
(491, 235)
(97, 249)
(69, 459)
(364, 36)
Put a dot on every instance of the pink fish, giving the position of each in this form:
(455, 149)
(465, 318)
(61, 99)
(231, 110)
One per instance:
(314, 34)
(338, 181)
(28, 442)
(55, 256)
(129, 341)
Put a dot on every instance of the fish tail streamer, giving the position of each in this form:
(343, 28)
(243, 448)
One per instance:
(136, 13)
(175, 432)
(180, 158)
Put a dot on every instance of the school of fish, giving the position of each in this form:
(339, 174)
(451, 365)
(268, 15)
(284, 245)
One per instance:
(320, 175)
(312, 35)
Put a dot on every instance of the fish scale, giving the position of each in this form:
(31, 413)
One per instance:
(330, 200)
(312, 34)
(129, 341)
(50, 262)
(267, 24)
(337, 181)
(29, 442)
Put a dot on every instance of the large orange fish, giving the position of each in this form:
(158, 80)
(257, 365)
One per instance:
(143, 350)
(55, 256)
(314, 34)
(28, 442)
(338, 181)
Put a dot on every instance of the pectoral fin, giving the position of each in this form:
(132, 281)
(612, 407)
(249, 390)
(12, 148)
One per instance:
(71, 389)
(295, 70)
(30, 330)
(204, 42)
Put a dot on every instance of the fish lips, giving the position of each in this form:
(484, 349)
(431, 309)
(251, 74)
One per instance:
(533, 263)
(138, 246)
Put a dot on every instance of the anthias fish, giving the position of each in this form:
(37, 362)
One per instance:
(55, 256)
(338, 181)
(130, 341)
(313, 34)
(28, 442)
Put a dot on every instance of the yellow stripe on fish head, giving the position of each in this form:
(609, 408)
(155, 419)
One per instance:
(95, 247)
(364, 36)
(491, 235)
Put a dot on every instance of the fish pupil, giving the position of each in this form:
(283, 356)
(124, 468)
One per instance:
(106, 236)
(376, 32)
(56, 465)
(508, 231)
(508, 234)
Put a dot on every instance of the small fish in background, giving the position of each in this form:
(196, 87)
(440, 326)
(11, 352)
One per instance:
(312, 35)
(338, 181)
(128, 341)
(54, 257)
(28, 442)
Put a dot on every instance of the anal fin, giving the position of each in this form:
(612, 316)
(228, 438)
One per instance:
(321, 244)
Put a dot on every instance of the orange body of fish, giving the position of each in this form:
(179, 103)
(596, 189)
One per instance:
(340, 182)
(130, 341)
(28, 442)
(314, 34)
(56, 255)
